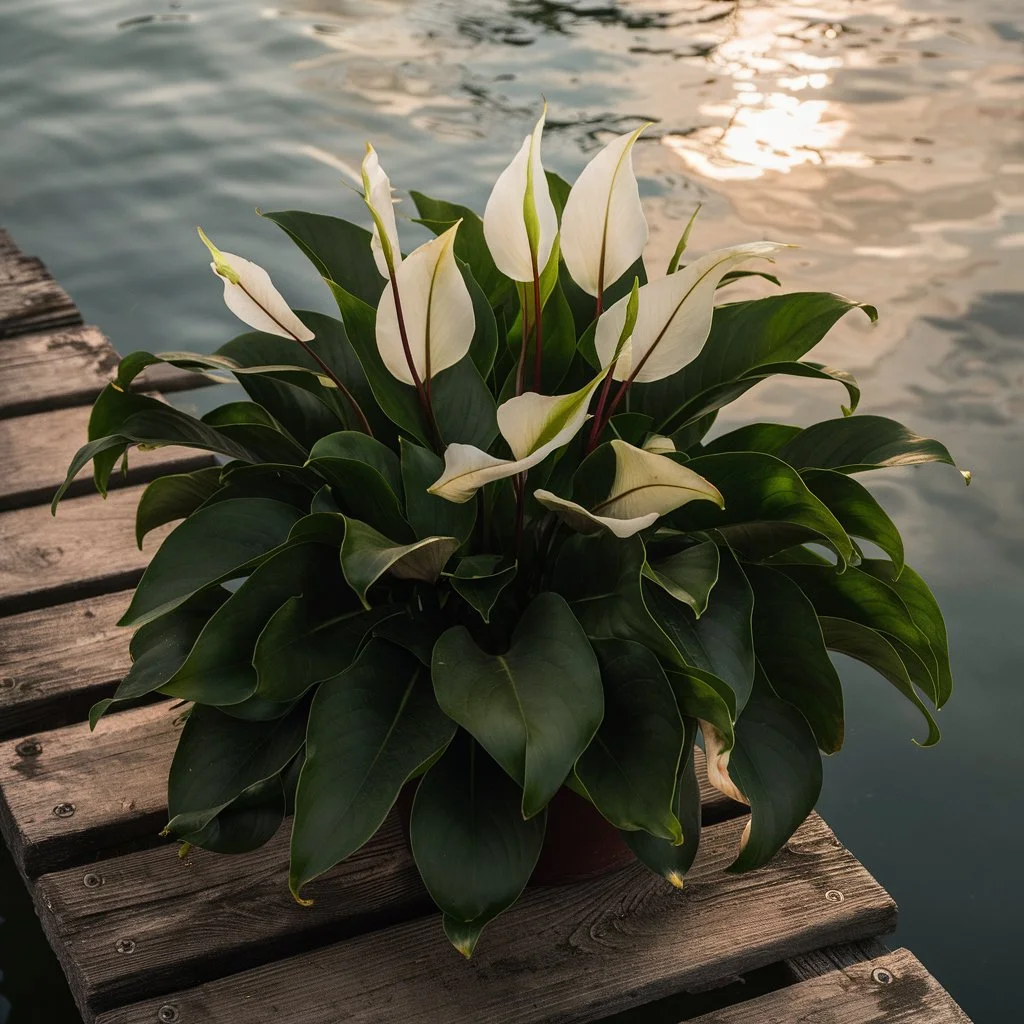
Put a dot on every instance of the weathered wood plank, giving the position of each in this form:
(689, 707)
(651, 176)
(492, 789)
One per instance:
(567, 954)
(116, 778)
(88, 549)
(60, 368)
(30, 299)
(52, 369)
(69, 794)
(831, 958)
(894, 987)
(200, 919)
(35, 451)
(56, 662)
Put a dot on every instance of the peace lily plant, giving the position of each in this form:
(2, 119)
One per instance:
(473, 537)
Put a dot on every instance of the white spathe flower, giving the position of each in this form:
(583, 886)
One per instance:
(674, 316)
(377, 195)
(520, 223)
(604, 229)
(533, 425)
(437, 312)
(646, 486)
(251, 296)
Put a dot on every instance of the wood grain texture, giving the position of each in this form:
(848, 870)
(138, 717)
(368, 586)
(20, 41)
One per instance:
(52, 369)
(60, 368)
(115, 779)
(853, 995)
(30, 299)
(567, 954)
(56, 662)
(35, 451)
(208, 916)
(195, 921)
(88, 549)
(831, 958)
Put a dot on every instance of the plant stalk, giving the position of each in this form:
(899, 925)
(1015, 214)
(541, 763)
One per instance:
(328, 372)
(423, 393)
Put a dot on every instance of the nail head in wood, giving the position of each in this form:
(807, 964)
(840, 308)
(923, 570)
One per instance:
(64, 810)
(7, 683)
(125, 946)
(92, 881)
(834, 896)
(168, 1014)
(882, 976)
(29, 748)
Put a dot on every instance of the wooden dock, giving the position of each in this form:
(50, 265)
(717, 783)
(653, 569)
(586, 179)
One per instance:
(146, 938)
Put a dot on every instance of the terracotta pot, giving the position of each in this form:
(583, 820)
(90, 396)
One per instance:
(578, 844)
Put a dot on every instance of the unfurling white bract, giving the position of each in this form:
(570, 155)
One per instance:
(377, 195)
(533, 425)
(251, 296)
(520, 223)
(436, 312)
(674, 317)
(646, 486)
(604, 229)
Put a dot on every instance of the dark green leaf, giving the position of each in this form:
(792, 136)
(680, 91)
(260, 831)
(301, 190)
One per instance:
(662, 856)
(533, 729)
(875, 650)
(479, 581)
(924, 610)
(857, 510)
(120, 419)
(370, 730)
(776, 765)
(791, 651)
(744, 336)
(719, 641)
(214, 544)
(174, 496)
(857, 443)
(687, 575)
(245, 824)
(338, 249)
(413, 629)
(629, 769)
(769, 438)
(219, 669)
(474, 850)
(439, 215)
(366, 554)
(702, 695)
(159, 649)
(861, 597)
(429, 515)
(250, 425)
(219, 757)
(600, 576)
(759, 488)
(365, 479)
(309, 639)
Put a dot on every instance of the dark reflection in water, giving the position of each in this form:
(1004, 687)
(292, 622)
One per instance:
(886, 137)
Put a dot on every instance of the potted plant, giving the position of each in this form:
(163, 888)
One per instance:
(471, 544)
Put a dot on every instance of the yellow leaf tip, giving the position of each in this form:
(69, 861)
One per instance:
(675, 878)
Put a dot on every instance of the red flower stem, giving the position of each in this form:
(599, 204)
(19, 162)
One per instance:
(423, 393)
(597, 426)
(328, 372)
(537, 327)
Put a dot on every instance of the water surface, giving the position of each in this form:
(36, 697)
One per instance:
(885, 138)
